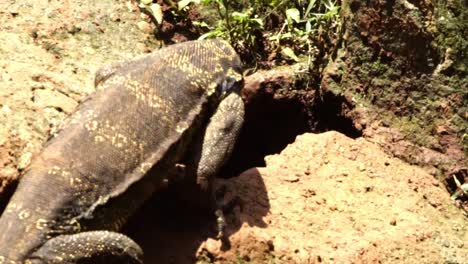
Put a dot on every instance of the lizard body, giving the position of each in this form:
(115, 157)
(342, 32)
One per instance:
(116, 150)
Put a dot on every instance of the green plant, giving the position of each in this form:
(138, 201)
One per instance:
(301, 25)
(236, 25)
(282, 26)
(153, 8)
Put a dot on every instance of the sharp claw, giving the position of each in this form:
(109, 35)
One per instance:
(221, 221)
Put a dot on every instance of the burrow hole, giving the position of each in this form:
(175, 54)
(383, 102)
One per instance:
(271, 124)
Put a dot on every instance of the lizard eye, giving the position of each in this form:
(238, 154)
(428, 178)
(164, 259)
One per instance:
(228, 85)
(231, 82)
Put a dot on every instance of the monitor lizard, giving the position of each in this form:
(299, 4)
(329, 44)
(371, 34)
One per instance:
(120, 146)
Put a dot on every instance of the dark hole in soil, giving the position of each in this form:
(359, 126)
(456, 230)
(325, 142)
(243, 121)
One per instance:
(461, 174)
(6, 195)
(330, 112)
(271, 124)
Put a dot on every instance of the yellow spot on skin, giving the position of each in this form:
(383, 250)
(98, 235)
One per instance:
(59, 172)
(93, 125)
(24, 214)
(65, 173)
(181, 127)
(54, 170)
(121, 140)
(235, 75)
(75, 225)
(218, 68)
(76, 180)
(12, 207)
(41, 224)
(211, 88)
(98, 139)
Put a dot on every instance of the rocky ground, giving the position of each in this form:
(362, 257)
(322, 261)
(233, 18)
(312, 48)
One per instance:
(325, 198)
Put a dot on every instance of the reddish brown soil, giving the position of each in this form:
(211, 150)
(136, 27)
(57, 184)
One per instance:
(325, 198)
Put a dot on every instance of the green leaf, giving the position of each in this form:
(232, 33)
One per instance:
(328, 4)
(201, 24)
(289, 53)
(183, 3)
(238, 16)
(287, 35)
(309, 7)
(293, 14)
(308, 26)
(257, 21)
(331, 13)
(211, 34)
(275, 37)
(157, 13)
(274, 3)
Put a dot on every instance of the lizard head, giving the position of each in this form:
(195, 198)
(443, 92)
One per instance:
(232, 82)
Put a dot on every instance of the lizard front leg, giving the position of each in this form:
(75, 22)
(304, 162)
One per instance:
(217, 145)
(99, 247)
(219, 138)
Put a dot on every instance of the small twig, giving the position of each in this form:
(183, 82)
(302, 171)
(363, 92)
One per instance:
(462, 189)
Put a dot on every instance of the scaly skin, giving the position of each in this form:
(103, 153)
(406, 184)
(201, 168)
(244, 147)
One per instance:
(117, 149)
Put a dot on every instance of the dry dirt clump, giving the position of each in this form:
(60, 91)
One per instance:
(328, 198)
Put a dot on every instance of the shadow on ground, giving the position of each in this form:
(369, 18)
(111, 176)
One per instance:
(170, 230)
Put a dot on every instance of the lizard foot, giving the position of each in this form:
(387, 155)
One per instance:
(222, 208)
(97, 247)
